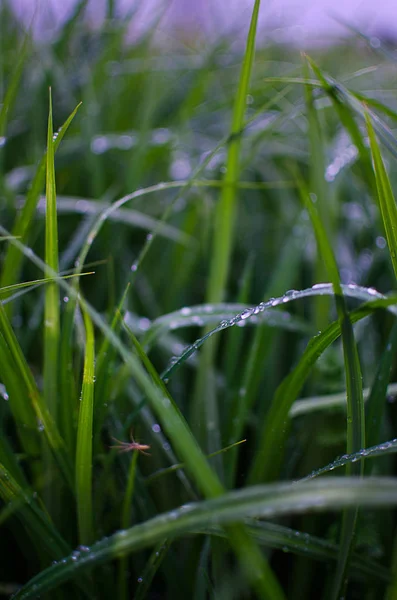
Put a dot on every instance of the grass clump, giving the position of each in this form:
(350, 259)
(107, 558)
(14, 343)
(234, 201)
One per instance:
(203, 258)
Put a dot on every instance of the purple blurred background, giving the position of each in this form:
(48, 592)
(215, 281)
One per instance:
(302, 22)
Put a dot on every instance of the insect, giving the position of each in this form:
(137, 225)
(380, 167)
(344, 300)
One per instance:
(131, 446)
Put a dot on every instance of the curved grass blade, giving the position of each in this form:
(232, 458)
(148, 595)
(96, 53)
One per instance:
(266, 501)
(335, 92)
(387, 203)
(283, 538)
(378, 450)
(85, 206)
(353, 291)
(207, 314)
(84, 472)
(330, 401)
(36, 282)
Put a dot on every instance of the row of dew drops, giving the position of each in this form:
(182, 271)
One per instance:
(317, 289)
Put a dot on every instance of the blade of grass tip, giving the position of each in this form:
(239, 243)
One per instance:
(173, 468)
(254, 565)
(387, 203)
(267, 501)
(84, 440)
(355, 401)
(125, 523)
(204, 410)
(21, 229)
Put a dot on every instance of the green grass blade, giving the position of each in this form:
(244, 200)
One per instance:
(355, 402)
(152, 566)
(52, 299)
(273, 436)
(389, 447)
(36, 522)
(22, 411)
(125, 523)
(204, 411)
(345, 114)
(318, 289)
(375, 407)
(330, 401)
(12, 89)
(283, 278)
(387, 203)
(84, 474)
(208, 314)
(4, 291)
(44, 420)
(226, 209)
(261, 501)
(21, 229)
(104, 365)
(301, 543)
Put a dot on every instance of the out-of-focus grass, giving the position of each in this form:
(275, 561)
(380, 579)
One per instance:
(206, 318)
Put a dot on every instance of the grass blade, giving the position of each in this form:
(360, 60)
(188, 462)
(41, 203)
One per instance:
(44, 420)
(10, 96)
(355, 402)
(262, 501)
(21, 229)
(84, 472)
(51, 304)
(375, 406)
(387, 203)
(204, 409)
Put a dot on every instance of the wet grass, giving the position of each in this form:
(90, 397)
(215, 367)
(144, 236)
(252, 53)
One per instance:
(202, 260)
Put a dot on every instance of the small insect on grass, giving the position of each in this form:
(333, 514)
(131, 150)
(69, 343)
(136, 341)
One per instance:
(131, 446)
